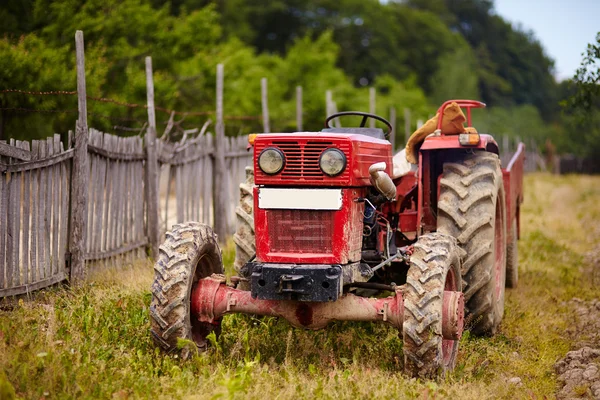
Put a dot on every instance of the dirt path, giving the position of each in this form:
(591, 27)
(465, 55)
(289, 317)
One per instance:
(579, 371)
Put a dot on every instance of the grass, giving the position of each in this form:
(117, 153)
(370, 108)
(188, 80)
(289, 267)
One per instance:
(93, 341)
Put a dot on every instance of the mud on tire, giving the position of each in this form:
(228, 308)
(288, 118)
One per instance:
(189, 253)
(512, 259)
(434, 268)
(245, 245)
(472, 209)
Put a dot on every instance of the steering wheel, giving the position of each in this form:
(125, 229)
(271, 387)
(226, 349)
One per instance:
(363, 122)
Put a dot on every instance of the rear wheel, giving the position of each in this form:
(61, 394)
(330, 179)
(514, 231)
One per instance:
(245, 245)
(512, 259)
(434, 271)
(472, 209)
(189, 254)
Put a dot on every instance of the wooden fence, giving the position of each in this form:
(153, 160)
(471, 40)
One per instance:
(35, 201)
(187, 179)
(116, 200)
(34, 214)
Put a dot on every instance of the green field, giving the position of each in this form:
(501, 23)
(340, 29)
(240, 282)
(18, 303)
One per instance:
(94, 341)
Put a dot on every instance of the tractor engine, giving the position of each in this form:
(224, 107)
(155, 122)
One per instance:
(315, 212)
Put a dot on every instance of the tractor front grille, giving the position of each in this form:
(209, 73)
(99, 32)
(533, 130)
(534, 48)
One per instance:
(302, 160)
(300, 231)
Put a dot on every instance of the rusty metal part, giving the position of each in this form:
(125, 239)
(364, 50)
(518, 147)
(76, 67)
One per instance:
(453, 315)
(211, 299)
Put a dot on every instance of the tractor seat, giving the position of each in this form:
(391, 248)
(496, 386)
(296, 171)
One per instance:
(371, 132)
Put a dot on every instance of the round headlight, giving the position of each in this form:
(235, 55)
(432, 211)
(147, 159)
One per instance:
(271, 160)
(332, 162)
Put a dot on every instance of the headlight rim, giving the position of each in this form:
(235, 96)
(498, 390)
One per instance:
(344, 158)
(283, 160)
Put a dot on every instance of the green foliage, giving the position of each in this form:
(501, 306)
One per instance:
(416, 53)
(582, 104)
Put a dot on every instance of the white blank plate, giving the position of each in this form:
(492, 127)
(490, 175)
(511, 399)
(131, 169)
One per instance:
(300, 199)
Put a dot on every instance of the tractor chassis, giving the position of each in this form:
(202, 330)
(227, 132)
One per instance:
(212, 298)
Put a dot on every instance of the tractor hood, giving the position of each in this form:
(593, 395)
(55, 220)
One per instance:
(302, 153)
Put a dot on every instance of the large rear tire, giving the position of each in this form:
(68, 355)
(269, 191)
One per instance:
(189, 254)
(472, 209)
(245, 244)
(512, 259)
(434, 269)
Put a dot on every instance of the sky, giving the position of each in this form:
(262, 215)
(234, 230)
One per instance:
(563, 27)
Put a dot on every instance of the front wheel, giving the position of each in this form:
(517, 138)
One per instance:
(434, 272)
(189, 254)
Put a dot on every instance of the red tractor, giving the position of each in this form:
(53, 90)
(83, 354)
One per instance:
(329, 224)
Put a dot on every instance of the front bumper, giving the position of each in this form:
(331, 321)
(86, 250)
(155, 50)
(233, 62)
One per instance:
(306, 282)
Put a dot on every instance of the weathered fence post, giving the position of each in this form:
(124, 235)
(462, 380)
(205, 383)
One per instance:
(407, 131)
(328, 101)
(331, 108)
(151, 166)
(299, 108)
(393, 132)
(372, 106)
(220, 175)
(265, 105)
(79, 173)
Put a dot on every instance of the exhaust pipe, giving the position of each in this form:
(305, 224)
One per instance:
(382, 181)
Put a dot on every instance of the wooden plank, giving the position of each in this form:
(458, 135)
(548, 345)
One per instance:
(35, 182)
(189, 186)
(23, 289)
(26, 220)
(64, 212)
(17, 176)
(3, 217)
(41, 230)
(299, 108)
(178, 193)
(122, 196)
(90, 187)
(79, 171)
(14, 152)
(198, 189)
(55, 208)
(115, 252)
(113, 199)
(170, 178)
(141, 231)
(131, 197)
(115, 155)
(126, 197)
(10, 224)
(29, 165)
(48, 210)
(35, 212)
(151, 166)
(265, 105)
(107, 197)
(207, 196)
(98, 194)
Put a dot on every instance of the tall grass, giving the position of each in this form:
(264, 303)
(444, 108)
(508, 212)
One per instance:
(94, 342)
